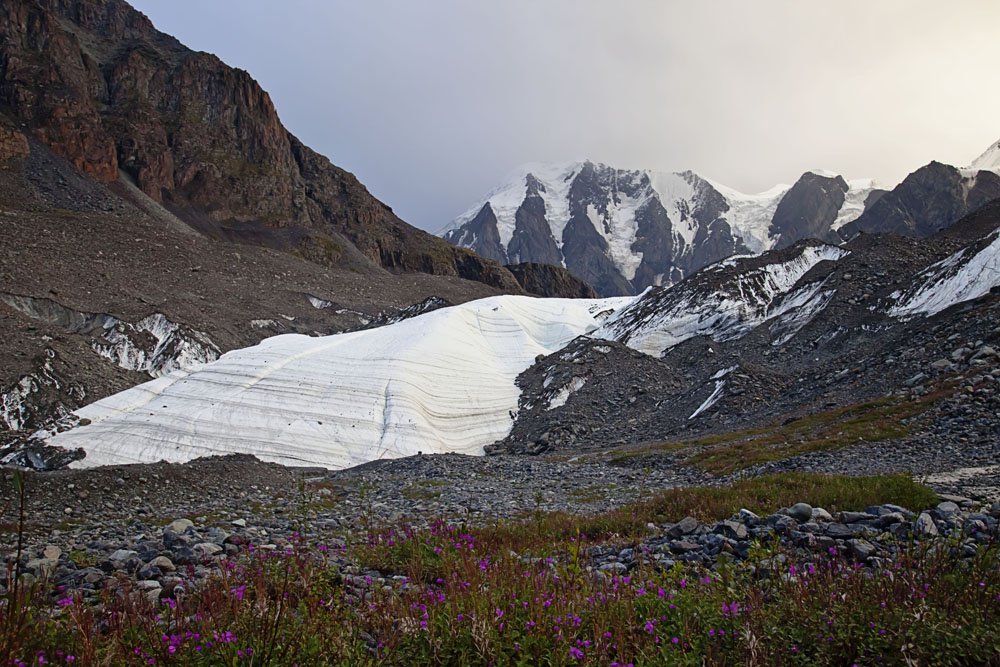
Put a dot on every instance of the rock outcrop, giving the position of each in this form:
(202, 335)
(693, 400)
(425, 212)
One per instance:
(927, 201)
(623, 230)
(99, 85)
(550, 281)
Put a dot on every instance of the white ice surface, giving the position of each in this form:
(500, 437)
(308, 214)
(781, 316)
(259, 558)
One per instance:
(750, 215)
(439, 382)
(952, 281)
(854, 201)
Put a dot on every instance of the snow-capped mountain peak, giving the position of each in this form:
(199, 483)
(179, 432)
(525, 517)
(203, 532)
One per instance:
(623, 230)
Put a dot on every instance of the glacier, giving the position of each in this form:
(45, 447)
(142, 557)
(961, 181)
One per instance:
(440, 382)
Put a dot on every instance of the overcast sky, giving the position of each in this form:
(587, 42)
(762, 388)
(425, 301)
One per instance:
(432, 102)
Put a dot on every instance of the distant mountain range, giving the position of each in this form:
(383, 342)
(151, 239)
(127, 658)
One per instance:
(624, 230)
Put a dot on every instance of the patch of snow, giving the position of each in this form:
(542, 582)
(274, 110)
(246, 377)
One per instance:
(443, 381)
(854, 201)
(797, 310)
(655, 323)
(560, 398)
(174, 348)
(723, 373)
(989, 160)
(318, 303)
(262, 324)
(953, 280)
(711, 400)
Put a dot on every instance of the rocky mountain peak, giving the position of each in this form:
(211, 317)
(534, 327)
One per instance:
(95, 82)
(623, 230)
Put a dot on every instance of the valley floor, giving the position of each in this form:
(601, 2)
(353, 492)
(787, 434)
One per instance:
(198, 554)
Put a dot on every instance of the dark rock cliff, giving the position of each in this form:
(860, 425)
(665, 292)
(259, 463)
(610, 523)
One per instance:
(809, 209)
(928, 200)
(99, 85)
(551, 281)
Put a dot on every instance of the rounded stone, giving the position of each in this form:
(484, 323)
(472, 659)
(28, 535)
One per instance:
(801, 512)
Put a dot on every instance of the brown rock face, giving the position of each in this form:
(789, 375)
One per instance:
(13, 145)
(96, 82)
(551, 281)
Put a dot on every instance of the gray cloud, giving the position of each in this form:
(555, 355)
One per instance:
(432, 102)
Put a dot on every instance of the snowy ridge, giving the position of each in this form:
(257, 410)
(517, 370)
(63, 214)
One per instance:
(507, 198)
(963, 276)
(439, 382)
(656, 227)
(742, 300)
(989, 160)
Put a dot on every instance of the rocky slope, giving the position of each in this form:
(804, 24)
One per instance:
(904, 332)
(927, 201)
(872, 334)
(623, 231)
(101, 289)
(550, 281)
(157, 214)
(94, 81)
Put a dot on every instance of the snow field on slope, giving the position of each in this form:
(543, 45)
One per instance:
(989, 160)
(740, 305)
(750, 215)
(506, 199)
(677, 197)
(953, 280)
(854, 201)
(439, 382)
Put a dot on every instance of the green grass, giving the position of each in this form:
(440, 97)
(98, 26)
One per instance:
(726, 453)
(762, 495)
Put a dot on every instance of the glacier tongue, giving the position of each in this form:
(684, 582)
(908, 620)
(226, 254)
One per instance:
(439, 382)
